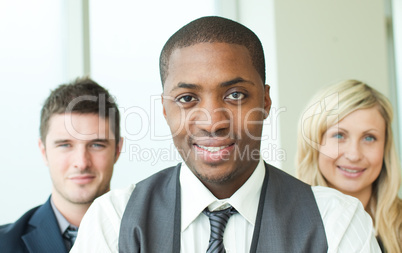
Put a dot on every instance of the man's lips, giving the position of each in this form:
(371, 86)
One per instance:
(213, 144)
(82, 179)
(213, 152)
(212, 149)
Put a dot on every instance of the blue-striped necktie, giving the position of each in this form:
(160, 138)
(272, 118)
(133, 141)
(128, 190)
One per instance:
(218, 221)
(70, 234)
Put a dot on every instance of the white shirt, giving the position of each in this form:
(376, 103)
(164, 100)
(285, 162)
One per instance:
(245, 200)
(347, 226)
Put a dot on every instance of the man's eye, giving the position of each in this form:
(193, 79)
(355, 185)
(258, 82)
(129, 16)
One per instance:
(186, 99)
(97, 145)
(236, 96)
(64, 145)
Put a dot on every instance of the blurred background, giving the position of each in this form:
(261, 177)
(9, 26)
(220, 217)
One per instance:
(308, 44)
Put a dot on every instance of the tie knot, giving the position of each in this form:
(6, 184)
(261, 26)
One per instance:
(71, 234)
(222, 214)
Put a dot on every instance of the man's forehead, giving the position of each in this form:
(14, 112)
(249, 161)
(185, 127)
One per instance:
(205, 54)
(76, 126)
(185, 63)
(58, 118)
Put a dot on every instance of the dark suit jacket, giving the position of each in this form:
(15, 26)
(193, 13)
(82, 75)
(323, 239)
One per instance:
(37, 231)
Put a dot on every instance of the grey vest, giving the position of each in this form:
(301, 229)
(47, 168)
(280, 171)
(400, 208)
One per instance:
(288, 219)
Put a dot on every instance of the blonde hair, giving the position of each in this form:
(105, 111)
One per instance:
(327, 108)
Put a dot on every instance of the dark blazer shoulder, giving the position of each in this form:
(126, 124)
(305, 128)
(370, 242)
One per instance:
(35, 231)
(11, 234)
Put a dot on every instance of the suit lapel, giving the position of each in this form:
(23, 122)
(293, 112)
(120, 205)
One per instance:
(45, 234)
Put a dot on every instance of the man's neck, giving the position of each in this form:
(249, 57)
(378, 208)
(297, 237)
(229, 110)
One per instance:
(72, 212)
(224, 190)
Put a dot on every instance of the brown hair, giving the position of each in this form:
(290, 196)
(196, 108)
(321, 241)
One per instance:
(82, 96)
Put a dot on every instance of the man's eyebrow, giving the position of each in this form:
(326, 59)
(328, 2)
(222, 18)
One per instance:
(61, 141)
(235, 81)
(100, 140)
(186, 86)
(67, 140)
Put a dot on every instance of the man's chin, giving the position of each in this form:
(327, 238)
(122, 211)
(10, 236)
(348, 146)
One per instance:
(83, 200)
(215, 178)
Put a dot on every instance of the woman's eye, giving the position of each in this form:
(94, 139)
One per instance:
(369, 138)
(338, 136)
(236, 95)
(186, 99)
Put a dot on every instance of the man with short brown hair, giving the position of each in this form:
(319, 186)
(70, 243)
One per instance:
(80, 143)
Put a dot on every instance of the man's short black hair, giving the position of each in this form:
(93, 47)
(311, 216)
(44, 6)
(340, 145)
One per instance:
(209, 30)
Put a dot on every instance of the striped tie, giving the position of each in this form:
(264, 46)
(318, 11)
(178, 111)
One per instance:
(70, 234)
(218, 221)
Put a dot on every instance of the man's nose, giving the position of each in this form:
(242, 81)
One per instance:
(213, 117)
(82, 158)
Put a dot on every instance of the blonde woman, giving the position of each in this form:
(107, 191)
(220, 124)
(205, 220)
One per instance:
(345, 142)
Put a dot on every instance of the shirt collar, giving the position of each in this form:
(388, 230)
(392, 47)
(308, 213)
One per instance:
(195, 197)
(63, 223)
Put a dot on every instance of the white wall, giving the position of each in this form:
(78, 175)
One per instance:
(31, 63)
(397, 29)
(397, 37)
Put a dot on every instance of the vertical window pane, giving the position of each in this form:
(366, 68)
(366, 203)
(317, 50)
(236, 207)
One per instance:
(31, 63)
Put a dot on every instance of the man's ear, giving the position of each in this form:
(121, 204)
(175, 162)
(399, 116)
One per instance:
(164, 110)
(42, 149)
(267, 100)
(119, 146)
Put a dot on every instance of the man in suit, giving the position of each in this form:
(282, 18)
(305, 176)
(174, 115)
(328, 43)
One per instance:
(224, 197)
(80, 143)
